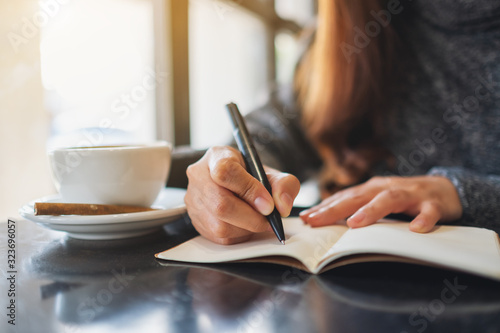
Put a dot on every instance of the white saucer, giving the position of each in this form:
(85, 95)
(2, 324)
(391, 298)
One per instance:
(170, 205)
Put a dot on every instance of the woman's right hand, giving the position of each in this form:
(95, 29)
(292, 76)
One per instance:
(226, 204)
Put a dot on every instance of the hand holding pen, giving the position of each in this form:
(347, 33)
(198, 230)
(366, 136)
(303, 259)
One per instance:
(227, 204)
(254, 165)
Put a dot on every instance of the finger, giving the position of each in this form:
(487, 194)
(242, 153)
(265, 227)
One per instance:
(425, 221)
(229, 172)
(285, 189)
(233, 240)
(216, 230)
(324, 203)
(384, 203)
(223, 205)
(337, 210)
(233, 211)
(220, 232)
(368, 188)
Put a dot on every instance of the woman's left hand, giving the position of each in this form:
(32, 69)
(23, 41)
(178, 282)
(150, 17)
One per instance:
(428, 198)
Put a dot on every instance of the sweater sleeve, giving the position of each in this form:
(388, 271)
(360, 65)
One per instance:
(479, 195)
(280, 140)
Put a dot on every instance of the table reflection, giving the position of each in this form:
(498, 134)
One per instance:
(73, 285)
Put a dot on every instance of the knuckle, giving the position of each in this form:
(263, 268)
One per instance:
(220, 152)
(258, 226)
(355, 195)
(392, 182)
(370, 208)
(294, 181)
(221, 208)
(339, 194)
(377, 180)
(435, 206)
(249, 190)
(220, 231)
(215, 150)
(223, 171)
(395, 193)
(190, 171)
(434, 195)
(417, 187)
(385, 181)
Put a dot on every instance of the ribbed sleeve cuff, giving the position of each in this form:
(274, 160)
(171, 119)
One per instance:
(479, 196)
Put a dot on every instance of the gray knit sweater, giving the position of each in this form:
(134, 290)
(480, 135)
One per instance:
(448, 120)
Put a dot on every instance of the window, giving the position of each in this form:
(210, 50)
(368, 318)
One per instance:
(238, 51)
(99, 74)
(227, 53)
(113, 69)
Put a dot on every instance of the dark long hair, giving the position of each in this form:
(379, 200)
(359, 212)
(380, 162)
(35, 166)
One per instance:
(344, 86)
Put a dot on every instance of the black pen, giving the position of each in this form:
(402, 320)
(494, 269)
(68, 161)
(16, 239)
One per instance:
(253, 164)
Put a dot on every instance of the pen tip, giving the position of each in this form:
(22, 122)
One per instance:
(283, 242)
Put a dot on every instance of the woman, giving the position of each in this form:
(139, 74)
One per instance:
(401, 102)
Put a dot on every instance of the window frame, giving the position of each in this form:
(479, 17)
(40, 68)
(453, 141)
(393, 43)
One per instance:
(172, 26)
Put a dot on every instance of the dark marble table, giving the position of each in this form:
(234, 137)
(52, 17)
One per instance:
(68, 285)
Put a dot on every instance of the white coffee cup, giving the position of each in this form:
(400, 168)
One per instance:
(117, 175)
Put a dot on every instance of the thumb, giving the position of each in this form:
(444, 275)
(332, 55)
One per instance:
(285, 189)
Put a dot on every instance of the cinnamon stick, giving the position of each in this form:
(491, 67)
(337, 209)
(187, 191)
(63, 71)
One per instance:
(55, 208)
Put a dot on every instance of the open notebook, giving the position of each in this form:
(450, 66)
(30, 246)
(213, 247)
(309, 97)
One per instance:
(468, 249)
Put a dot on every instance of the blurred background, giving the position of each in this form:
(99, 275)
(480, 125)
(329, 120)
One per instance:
(96, 72)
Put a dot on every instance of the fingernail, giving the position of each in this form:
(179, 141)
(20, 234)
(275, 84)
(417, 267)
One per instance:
(358, 217)
(263, 206)
(304, 212)
(317, 213)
